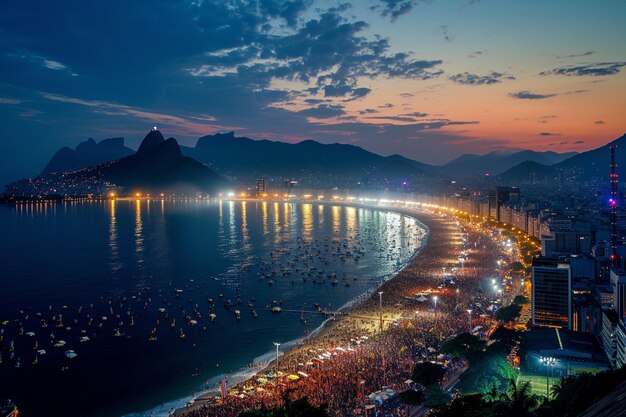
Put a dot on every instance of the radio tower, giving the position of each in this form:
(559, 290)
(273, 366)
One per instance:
(613, 203)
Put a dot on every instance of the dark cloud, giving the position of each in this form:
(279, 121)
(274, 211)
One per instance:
(394, 118)
(444, 31)
(406, 95)
(475, 54)
(527, 95)
(368, 111)
(474, 79)
(596, 69)
(386, 106)
(395, 8)
(587, 53)
(549, 134)
(599, 122)
(323, 111)
(415, 114)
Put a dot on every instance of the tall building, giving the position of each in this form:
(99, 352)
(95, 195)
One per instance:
(551, 293)
(618, 283)
(499, 196)
(260, 186)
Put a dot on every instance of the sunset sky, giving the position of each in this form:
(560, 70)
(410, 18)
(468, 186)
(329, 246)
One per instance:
(430, 80)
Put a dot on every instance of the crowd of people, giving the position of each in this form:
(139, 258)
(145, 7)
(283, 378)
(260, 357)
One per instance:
(352, 358)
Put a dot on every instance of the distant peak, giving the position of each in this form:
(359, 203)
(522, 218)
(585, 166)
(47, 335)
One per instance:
(152, 140)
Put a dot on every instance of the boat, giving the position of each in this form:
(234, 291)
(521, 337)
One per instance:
(276, 309)
(71, 354)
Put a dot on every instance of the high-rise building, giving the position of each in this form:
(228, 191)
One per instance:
(260, 186)
(551, 293)
(499, 196)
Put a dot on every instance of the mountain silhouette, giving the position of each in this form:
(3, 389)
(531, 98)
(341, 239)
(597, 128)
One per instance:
(87, 153)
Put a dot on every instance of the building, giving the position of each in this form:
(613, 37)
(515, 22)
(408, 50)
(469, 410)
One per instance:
(609, 334)
(497, 197)
(551, 293)
(261, 187)
(573, 353)
(567, 237)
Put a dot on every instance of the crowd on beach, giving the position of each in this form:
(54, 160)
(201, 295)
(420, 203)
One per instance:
(353, 358)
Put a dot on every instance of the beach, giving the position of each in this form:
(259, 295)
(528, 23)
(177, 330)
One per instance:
(360, 359)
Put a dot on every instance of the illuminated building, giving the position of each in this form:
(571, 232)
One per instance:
(551, 293)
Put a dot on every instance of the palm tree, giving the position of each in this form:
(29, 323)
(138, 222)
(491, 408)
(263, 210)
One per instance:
(519, 401)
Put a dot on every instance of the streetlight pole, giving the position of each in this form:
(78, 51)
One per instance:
(548, 362)
(276, 366)
(380, 310)
(435, 300)
(469, 311)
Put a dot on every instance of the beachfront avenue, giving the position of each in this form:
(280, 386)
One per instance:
(370, 359)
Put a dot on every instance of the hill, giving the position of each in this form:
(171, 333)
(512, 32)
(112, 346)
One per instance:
(158, 166)
(309, 161)
(86, 154)
(495, 163)
(585, 166)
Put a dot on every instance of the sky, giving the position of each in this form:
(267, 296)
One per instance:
(427, 79)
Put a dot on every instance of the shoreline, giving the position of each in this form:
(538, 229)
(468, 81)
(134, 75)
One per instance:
(330, 324)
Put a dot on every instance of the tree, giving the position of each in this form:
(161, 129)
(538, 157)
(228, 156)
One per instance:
(291, 408)
(508, 337)
(520, 300)
(464, 344)
(509, 313)
(471, 405)
(517, 266)
(411, 397)
(427, 373)
(519, 400)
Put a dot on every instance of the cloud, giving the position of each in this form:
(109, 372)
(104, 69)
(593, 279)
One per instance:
(176, 123)
(395, 8)
(527, 95)
(599, 122)
(323, 111)
(474, 79)
(549, 134)
(595, 70)
(444, 31)
(368, 111)
(406, 95)
(386, 106)
(6, 100)
(475, 54)
(415, 114)
(587, 53)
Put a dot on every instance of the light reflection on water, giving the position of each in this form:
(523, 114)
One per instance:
(105, 253)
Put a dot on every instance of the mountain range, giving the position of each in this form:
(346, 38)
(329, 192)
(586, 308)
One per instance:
(87, 153)
(311, 162)
(158, 165)
(593, 164)
(164, 164)
(495, 163)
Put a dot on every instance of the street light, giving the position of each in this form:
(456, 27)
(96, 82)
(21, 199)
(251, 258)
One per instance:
(547, 362)
(435, 300)
(276, 367)
(380, 309)
(469, 311)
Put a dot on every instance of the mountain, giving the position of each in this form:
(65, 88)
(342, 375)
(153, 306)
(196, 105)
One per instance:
(585, 166)
(494, 163)
(87, 153)
(158, 166)
(307, 161)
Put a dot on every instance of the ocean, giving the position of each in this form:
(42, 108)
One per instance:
(126, 290)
